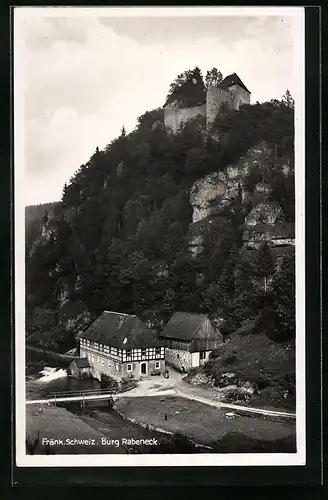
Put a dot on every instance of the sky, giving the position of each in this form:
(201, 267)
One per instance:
(84, 77)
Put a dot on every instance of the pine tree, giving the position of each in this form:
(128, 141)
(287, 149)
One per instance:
(284, 305)
(265, 264)
(288, 100)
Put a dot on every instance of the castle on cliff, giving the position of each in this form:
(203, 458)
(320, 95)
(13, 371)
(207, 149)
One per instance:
(231, 91)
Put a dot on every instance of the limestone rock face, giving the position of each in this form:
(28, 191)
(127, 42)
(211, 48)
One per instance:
(216, 191)
(48, 231)
(205, 193)
(63, 296)
(74, 316)
(213, 193)
(266, 213)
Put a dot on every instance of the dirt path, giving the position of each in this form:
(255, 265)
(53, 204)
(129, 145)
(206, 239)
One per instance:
(177, 385)
(209, 397)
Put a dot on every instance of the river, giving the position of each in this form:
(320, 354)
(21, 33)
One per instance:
(101, 419)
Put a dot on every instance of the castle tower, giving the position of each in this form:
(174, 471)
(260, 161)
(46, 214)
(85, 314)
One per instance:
(239, 91)
(231, 91)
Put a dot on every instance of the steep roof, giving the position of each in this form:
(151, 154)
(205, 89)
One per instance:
(81, 362)
(232, 79)
(124, 331)
(183, 326)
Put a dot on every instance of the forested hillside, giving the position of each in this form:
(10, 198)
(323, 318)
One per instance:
(120, 237)
(34, 218)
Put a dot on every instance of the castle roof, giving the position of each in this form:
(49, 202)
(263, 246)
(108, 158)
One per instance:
(120, 330)
(232, 79)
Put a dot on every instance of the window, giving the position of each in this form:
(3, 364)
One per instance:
(143, 352)
(158, 351)
(128, 353)
(129, 368)
(202, 355)
(157, 365)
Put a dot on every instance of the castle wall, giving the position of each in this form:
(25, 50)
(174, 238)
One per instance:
(240, 96)
(174, 117)
(214, 98)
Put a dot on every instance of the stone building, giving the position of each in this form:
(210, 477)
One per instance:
(121, 346)
(189, 339)
(80, 368)
(231, 91)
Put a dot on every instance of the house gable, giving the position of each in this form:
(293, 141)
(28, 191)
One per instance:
(207, 337)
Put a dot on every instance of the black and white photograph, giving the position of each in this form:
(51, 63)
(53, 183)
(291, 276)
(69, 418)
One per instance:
(159, 236)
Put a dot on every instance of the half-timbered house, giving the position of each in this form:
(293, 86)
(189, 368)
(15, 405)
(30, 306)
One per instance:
(122, 346)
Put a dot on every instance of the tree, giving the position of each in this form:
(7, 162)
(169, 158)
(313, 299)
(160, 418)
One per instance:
(148, 119)
(213, 78)
(265, 264)
(188, 89)
(288, 100)
(280, 317)
(106, 221)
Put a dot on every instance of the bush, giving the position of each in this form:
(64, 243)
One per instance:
(267, 366)
(107, 382)
(33, 367)
(275, 396)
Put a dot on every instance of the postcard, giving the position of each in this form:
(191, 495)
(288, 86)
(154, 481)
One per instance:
(159, 175)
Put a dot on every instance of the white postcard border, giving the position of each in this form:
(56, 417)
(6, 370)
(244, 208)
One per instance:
(90, 460)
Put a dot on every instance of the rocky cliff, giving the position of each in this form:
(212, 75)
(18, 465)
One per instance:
(264, 219)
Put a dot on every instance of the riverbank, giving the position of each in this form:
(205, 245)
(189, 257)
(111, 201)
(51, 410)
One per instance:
(223, 430)
(144, 414)
(90, 430)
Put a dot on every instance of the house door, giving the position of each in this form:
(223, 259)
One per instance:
(143, 368)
